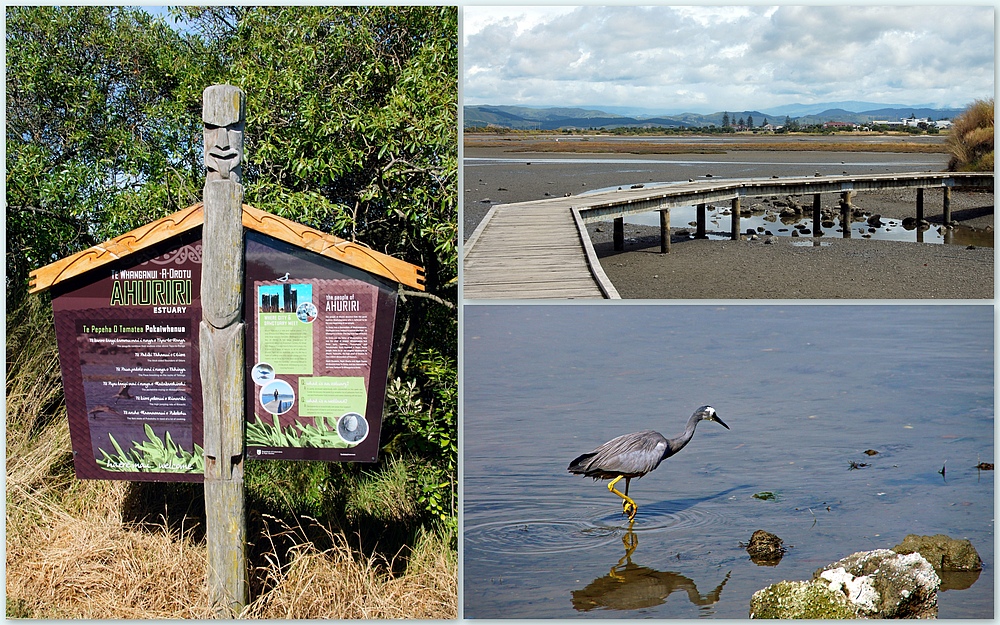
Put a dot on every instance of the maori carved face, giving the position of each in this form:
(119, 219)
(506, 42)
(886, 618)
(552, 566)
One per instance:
(223, 151)
(223, 116)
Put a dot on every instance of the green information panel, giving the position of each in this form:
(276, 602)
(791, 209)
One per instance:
(332, 397)
(286, 344)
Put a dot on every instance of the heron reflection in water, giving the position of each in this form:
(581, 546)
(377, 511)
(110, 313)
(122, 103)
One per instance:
(629, 586)
(635, 455)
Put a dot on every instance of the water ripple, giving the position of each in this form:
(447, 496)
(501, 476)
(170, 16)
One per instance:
(597, 529)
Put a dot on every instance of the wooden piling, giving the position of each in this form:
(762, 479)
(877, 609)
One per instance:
(817, 215)
(920, 206)
(845, 213)
(700, 232)
(665, 231)
(735, 219)
(222, 350)
(619, 234)
(946, 209)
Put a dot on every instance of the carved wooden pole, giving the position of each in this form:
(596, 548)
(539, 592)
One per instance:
(222, 356)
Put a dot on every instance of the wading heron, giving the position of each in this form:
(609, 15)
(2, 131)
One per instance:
(635, 455)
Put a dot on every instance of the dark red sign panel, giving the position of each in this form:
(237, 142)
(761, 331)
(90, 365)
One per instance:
(128, 348)
(318, 342)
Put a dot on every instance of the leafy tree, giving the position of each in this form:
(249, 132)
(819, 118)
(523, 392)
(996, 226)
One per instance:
(96, 142)
(725, 120)
(749, 121)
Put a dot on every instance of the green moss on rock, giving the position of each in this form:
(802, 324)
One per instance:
(813, 600)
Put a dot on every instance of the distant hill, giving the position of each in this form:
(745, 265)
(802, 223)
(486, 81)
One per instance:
(556, 118)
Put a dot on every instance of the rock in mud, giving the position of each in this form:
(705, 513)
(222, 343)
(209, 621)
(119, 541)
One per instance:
(943, 552)
(765, 548)
(867, 584)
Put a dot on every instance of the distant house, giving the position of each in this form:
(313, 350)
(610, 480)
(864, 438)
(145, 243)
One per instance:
(943, 123)
(839, 125)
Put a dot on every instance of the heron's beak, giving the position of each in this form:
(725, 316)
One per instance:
(719, 421)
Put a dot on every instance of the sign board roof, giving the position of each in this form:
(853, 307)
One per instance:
(348, 252)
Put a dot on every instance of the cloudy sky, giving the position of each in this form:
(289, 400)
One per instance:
(707, 59)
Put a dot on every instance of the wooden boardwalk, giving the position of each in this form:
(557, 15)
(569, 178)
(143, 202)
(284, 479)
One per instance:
(541, 249)
(530, 250)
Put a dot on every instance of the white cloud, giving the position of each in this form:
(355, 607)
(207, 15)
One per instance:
(735, 58)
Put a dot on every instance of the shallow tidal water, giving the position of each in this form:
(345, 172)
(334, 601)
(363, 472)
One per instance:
(719, 226)
(805, 390)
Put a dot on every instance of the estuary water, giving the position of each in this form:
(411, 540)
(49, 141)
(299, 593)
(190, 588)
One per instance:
(806, 391)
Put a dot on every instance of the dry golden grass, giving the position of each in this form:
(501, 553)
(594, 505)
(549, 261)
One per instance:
(542, 144)
(335, 584)
(91, 565)
(971, 138)
(71, 554)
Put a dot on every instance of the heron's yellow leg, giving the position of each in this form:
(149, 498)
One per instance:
(628, 506)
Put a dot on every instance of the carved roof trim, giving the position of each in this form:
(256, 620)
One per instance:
(348, 252)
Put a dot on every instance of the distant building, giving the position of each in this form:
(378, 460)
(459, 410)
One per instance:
(839, 125)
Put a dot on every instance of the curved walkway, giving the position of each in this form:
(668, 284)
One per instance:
(541, 249)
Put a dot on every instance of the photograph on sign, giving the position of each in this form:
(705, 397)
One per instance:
(129, 358)
(317, 353)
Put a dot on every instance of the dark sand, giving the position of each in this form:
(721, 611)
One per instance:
(845, 269)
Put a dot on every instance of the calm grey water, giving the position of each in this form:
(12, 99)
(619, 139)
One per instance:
(805, 389)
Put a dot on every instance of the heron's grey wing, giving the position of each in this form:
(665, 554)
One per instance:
(632, 454)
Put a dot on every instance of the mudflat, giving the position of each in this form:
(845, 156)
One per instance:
(770, 267)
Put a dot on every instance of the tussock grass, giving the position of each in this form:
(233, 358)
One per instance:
(389, 495)
(113, 549)
(970, 140)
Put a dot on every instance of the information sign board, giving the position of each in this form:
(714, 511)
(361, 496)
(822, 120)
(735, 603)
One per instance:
(319, 335)
(128, 349)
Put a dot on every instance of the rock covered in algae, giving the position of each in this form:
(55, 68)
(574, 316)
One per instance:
(812, 600)
(867, 584)
(943, 552)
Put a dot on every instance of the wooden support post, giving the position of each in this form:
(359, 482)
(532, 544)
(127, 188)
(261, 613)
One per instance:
(735, 218)
(221, 350)
(920, 215)
(665, 231)
(700, 233)
(845, 213)
(619, 234)
(946, 209)
(817, 216)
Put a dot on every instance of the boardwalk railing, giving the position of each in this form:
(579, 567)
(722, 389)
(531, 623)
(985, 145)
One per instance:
(541, 249)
